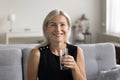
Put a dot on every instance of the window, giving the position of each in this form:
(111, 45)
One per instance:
(113, 16)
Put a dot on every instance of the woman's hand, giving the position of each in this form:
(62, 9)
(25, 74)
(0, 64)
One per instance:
(77, 67)
(69, 61)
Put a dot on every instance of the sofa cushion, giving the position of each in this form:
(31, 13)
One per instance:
(112, 74)
(90, 61)
(98, 57)
(10, 64)
(25, 53)
(106, 57)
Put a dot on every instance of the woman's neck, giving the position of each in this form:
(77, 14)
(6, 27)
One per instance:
(55, 47)
(59, 45)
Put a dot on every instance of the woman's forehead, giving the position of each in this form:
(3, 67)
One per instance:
(58, 18)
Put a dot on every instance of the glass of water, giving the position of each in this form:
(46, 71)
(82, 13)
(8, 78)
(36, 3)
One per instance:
(62, 53)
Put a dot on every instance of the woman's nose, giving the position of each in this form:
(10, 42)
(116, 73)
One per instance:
(58, 27)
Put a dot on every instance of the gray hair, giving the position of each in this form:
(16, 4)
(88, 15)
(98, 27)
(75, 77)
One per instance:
(51, 15)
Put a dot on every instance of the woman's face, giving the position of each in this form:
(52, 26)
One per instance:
(57, 29)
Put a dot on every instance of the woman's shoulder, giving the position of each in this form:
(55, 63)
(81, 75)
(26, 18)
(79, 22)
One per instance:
(35, 52)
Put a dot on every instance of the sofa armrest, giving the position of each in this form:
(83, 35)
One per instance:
(10, 64)
(112, 74)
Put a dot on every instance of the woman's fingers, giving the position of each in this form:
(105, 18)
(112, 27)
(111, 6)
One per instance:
(68, 61)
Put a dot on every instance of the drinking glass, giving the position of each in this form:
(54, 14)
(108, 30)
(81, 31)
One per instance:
(62, 53)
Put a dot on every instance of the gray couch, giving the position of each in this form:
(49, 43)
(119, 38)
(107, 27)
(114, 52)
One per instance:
(100, 61)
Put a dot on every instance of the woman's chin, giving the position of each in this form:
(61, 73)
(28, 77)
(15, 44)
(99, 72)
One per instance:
(59, 40)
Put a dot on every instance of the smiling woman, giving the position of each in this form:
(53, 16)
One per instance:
(57, 29)
(44, 61)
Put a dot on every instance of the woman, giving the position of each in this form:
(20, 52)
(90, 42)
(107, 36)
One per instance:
(44, 61)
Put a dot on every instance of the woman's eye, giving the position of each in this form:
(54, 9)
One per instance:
(62, 24)
(53, 25)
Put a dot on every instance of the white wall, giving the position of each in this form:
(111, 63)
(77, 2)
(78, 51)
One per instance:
(31, 13)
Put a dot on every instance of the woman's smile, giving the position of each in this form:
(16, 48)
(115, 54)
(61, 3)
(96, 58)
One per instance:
(58, 34)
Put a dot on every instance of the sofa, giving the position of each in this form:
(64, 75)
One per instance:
(100, 61)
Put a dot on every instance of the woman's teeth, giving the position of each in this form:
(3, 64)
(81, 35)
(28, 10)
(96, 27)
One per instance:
(58, 34)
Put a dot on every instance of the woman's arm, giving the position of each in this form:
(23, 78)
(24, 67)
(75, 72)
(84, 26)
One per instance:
(33, 63)
(79, 70)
